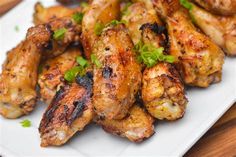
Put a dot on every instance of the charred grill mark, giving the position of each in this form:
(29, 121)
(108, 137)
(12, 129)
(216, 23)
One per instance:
(78, 111)
(107, 72)
(86, 81)
(153, 27)
(49, 113)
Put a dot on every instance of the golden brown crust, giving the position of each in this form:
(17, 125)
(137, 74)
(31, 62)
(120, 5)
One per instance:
(221, 29)
(200, 61)
(137, 126)
(119, 78)
(43, 15)
(222, 7)
(53, 70)
(70, 111)
(163, 92)
(19, 75)
(102, 12)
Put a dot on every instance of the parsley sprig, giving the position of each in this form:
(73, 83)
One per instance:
(99, 26)
(25, 123)
(59, 33)
(95, 61)
(80, 69)
(150, 55)
(186, 4)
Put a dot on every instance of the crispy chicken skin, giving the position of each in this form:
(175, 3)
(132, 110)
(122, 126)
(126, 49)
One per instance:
(221, 29)
(200, 60)
(99, 12)
(222, 7)
(117, 81)
(138, 15)
(70, 111)
(19, 75)
(43, 15)
(136, 126)
(53, 70)
(162, 90)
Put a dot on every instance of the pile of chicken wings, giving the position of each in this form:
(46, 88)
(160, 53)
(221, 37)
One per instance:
(119, 64)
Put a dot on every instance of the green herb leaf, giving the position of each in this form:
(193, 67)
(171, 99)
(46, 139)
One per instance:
(73, 72)
(78, 17)
(95, 61)
(25, 123)
(150, 55)
(59, 34)
(99, 28)
(116, 22)
(125, 10)
(81, 61)
(17, 29)
(186, 4)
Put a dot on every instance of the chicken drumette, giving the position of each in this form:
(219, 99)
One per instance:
(19, 75)
(221, 29)
(222, 7)
(162, 89)
(199, 60)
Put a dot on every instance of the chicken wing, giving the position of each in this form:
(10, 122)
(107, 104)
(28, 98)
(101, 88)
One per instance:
(43, 15)
(53, 70)
(19, 75)
(162, 90)
(70, 111)
(221, 29)
(199, 61)
(98, 14)
(117, 81)
(136, 127)
(222, 7)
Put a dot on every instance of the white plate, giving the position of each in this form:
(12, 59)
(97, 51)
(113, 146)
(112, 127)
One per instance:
(205, 107)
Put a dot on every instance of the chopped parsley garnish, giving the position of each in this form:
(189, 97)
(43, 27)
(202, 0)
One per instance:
(82, 62)
(77, 70)
(78, 17)
(73, 72)
(98, 28)
(17, 29)
(59, 34)
(95, 61)
(25, 123)
(116, 22)
(186, 4)
(150, 55)
(125, 10)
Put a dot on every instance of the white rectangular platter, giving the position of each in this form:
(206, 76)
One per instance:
(205, 107)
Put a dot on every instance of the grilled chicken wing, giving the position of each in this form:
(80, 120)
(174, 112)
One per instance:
(136, 127)
(162, 90)
(43, 15)
(70, 111)
(53, 70)
(222, 7)
(98, 14)
(200, 61)
(19, 74)
(118, 79)
(221, 29)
